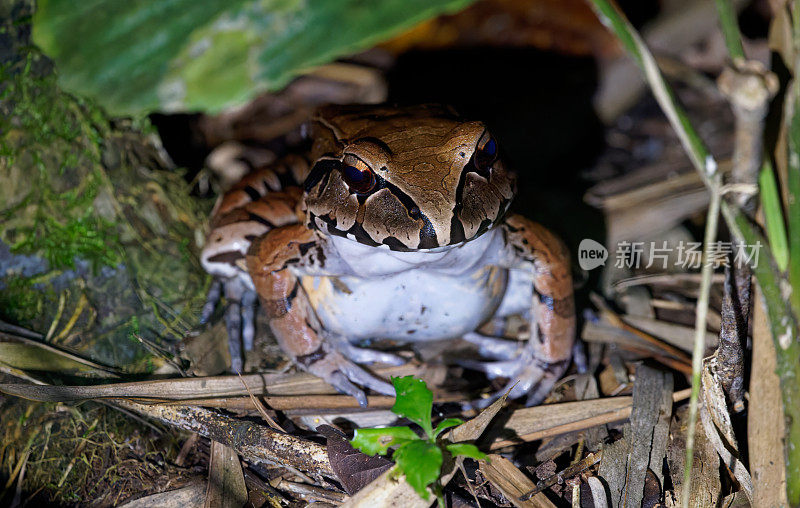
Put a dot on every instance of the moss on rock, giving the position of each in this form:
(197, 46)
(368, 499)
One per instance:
(97, 231)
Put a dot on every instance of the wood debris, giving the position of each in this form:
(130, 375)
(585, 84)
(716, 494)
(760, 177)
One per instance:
(513, 483)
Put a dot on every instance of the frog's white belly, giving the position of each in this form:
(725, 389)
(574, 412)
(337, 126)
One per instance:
(416, 305)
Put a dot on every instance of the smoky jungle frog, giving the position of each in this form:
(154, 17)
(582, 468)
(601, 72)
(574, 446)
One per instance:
(394, 226)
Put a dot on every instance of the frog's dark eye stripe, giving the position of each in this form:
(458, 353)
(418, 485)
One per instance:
(357, 174)
(320, 170)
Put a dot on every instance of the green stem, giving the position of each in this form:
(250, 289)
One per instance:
(730, 29)
(773, 215)
(712, 220)
(793, 209)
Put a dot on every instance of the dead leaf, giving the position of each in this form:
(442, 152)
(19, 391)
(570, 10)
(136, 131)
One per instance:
(354, 469)
(533, 423)
(190, 388)
(718, 428)
(226, 488)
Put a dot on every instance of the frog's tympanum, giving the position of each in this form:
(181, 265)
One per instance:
(399, 232)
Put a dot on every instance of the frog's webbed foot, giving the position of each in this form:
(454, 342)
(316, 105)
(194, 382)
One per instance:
(343, 374)
(240, 315)
(526, 374)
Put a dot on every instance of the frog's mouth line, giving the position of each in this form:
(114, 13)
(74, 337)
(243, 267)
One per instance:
(356, 233)
(428, 240)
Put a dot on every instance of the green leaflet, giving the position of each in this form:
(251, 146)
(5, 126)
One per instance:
(421, 462)
(414, 401)
(446, 424)
(419, 459)
(372, 441)
(466, 450)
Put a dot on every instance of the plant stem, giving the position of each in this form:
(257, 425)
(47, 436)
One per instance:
(773, 215)
(730, 29)
(616, 21)
(712, 220)
(793, 187)
(749, 87)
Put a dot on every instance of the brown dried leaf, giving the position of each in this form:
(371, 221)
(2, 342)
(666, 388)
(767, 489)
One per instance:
(190, 388)
(354, 469)
(226, 487)
(718, 428)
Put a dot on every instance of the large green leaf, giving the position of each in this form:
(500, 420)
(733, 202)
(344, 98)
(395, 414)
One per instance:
(135, 56)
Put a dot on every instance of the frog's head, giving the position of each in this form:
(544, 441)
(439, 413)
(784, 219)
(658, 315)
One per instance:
(409, 178)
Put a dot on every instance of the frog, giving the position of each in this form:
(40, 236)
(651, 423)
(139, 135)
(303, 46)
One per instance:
(393, 225)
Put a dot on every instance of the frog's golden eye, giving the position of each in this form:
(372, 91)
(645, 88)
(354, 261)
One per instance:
(357, 174)
(485, 152)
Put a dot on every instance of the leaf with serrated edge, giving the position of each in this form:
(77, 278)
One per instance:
(372, 441)
(420, 461)
(414, 401)
(446, 424)
(465, 450)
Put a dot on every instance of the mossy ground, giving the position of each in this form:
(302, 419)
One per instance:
(74, 454)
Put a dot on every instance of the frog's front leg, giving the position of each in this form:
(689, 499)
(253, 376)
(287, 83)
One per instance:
(534, 370)
(272, 262)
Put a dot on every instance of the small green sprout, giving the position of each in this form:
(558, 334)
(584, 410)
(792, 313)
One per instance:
(418, 458)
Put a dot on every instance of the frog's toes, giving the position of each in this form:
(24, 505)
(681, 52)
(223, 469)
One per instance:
(365, 355)
(345, 386)
(537, 380)
(344, 375)
(212, 299)
(241, 326)
(494, 347)
(240, 315)
(526, 375)
(491, 369)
